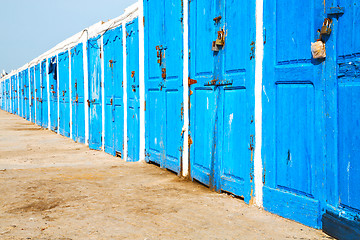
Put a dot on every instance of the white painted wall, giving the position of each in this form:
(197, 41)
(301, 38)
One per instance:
(58, 94)
(142, 80)
(185, 159)
(259, 56)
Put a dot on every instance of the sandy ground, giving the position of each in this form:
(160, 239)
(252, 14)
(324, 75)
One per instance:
(53, 188)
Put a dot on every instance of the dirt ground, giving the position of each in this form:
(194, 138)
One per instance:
(53, 188)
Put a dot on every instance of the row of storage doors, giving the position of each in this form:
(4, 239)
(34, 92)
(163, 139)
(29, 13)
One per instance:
(310, 111)
(52, 93)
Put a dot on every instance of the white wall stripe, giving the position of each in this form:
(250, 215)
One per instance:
(125, 92)
(102, 93)
(58, 94)
(185, 158)
(141, 81)
(259, 56)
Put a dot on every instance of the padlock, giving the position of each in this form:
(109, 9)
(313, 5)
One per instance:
(220, 40)
(326, 28)
(215, 48)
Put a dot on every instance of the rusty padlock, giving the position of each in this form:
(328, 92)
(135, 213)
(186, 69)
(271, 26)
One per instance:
(326, 28)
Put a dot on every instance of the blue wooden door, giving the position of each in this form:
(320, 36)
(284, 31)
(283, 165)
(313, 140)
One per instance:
(26, 94)
(38, 93)
(21, 94)
(221, 98)
(133, 107)
(164, 110)
(15, 92)
(114, 110)
(95, 97)
(343, 128)
(64, 117)
(14, 95)
(32, 94)
(293, 111)
(44, 96)
(78, 105)
(53, 81)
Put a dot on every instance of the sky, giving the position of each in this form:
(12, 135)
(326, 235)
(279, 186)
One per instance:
(29, 28)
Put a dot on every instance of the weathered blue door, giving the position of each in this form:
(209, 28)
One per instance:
(26, 94)
(15, 94)
(64, 117)
(32, 94)
(44, 96)
(132, 61)
(343, 114)
(222, 95)
(114, 110)
(78, 106)
(21, 94)
(95, 97)
(163, 76)
(53, 81)
(38, 101)
(293, 111)
(7, 86)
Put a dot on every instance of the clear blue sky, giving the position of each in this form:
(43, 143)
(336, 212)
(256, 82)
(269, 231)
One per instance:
(31, 27)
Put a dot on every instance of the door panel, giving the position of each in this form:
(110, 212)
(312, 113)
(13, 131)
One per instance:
(77, 81)
(27, 95)
(293, 107)
(113, 59)
(222, 99)
(38, 100)
(154, 34)
(163, 76)
(95, 97)
(64, 118)
(44, 96)
(132, 53)
(21, 94)
(53, 94)
(348, 107)
(32, 95)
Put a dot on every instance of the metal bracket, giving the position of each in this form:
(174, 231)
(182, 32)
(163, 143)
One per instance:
(219, 83)
(336, 10)
(191, 81)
